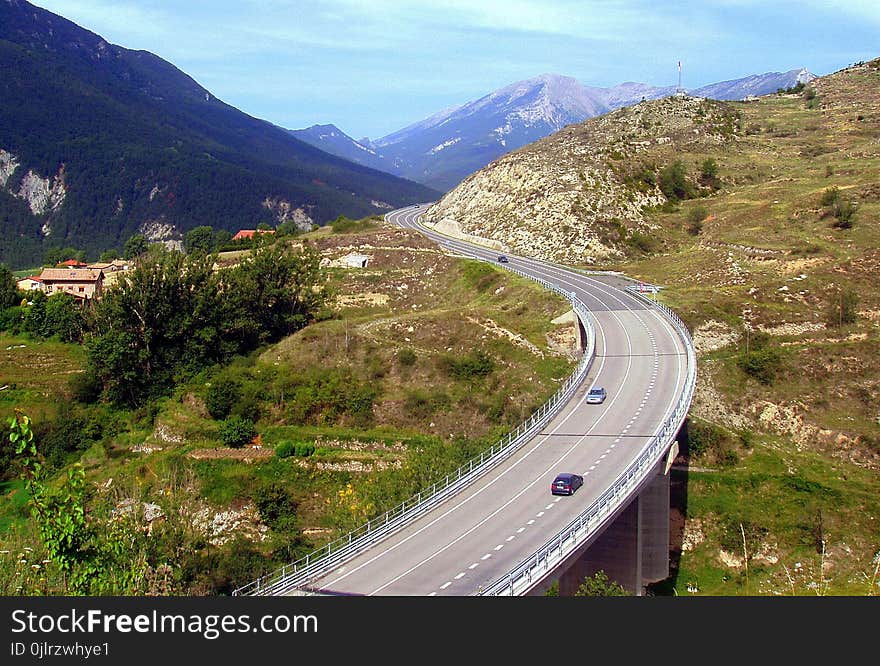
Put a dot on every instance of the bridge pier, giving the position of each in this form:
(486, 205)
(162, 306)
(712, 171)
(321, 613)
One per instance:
(634, 549)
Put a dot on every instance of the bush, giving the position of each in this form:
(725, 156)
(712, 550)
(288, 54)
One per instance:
(842, 308)
(844, 212)
(600, 585)
(709, 173)
(830, 196)
(236, 431)
(85, 387)
(221, 395)
(406, 357)
(286, 449)
(643, 242)
(471, 366)
(276, 506)
(673, 182)
(12, 319)
(696, 218)
(762, 364)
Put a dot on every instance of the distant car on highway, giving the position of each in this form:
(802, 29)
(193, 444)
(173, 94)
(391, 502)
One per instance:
(596, 396)
(502, 259)
(566, 484)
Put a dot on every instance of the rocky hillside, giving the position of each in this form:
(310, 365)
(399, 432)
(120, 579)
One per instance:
(766, 241)
(580, 195)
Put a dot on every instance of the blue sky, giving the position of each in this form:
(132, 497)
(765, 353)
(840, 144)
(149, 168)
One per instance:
(374, 66)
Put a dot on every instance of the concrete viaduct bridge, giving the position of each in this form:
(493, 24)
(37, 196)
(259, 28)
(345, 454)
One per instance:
(493, 528)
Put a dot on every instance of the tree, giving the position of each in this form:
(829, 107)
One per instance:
(135, 246)
(173, 316)
(145, 327)
(92, 559)
(109, 255)
(64, 318)
(52, 256)
(600, 585)
(9, 293)
(696, 218)
(221, 396)
(273, 292)
(222, 237)
(288, 228)
(709, 173)
(673, 182)
(200, 239)
(35, 316)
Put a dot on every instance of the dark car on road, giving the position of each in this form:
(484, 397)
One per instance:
(566, 484)
(502, 259)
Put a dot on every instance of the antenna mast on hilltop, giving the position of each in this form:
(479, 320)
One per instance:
(679, 92)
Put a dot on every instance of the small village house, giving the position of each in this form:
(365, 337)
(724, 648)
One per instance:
(83, 283)
(32, 283)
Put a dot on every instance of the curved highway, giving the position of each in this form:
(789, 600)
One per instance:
(481, 533)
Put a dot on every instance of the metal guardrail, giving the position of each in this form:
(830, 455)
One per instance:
(533, 568)
(296, 575)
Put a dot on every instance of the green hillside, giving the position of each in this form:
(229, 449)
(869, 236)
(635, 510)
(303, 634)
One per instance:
(135, 141)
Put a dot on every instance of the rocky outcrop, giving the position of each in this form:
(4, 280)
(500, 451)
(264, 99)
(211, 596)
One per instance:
(8, 164)
(159, 231)
(283, 211)
(43, 195)
(577, 196)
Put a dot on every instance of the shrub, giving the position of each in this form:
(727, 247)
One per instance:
(285, 449)
(844, 212)
(830, 196)
(12, 319)
(475, 364)
(221, 395)
(842, 308)
(418, 403)
(643, 242)
(673, 182)
(762, 364)
(304, 449)
(709, 173)
(237, 431)
(811, 98)
(85, 387)
(696, 218)
(406, 357)
(276, 506)
(701, 437)
(600, 585)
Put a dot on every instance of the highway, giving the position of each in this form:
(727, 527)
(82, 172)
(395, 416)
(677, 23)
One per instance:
(482, 532)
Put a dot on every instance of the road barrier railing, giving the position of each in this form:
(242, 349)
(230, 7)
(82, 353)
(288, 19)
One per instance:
(296, 576)
(534, 568)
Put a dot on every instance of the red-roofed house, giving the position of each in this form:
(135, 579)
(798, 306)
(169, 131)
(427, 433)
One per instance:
(72, 263)
(249, 233)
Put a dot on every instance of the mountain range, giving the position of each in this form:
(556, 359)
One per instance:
(441, 150)
(99, 142)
